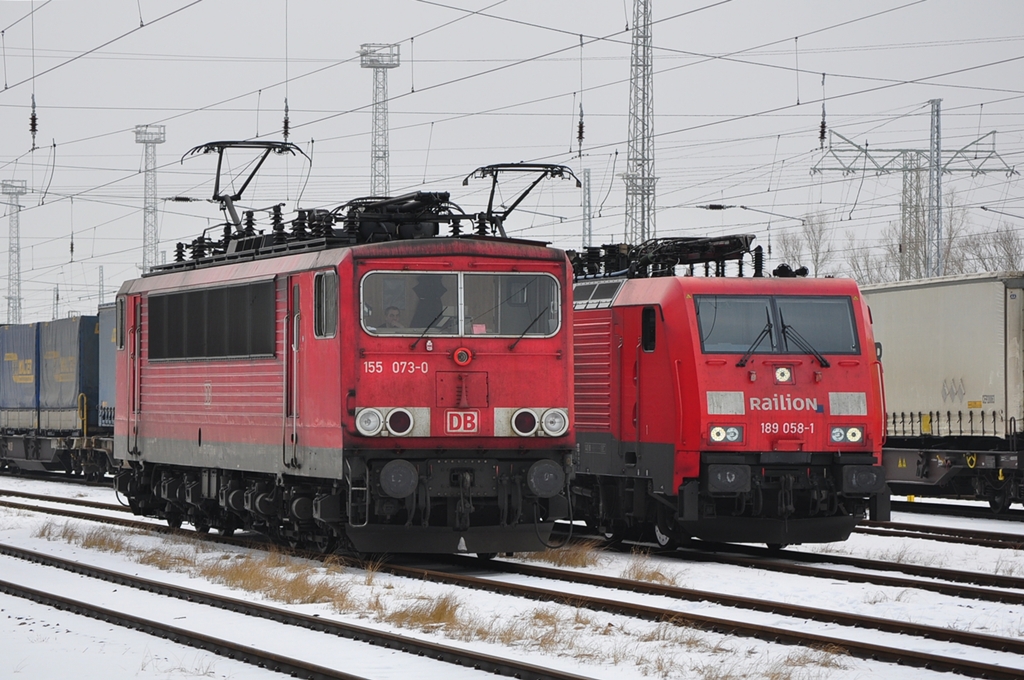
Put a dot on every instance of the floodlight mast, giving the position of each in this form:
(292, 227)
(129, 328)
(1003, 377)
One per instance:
(150, 136)
(380, 58)
(14, 188)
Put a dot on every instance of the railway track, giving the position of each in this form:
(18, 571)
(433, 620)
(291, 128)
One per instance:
(720, 624)
(386, 640)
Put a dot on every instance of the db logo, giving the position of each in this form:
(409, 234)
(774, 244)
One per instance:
(461, 422)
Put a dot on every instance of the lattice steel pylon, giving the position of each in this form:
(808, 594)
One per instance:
(150, 135)
(380, 58)
(639, 175)
(921, 240)
(14, 188)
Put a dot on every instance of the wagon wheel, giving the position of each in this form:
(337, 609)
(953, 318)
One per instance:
(1000, 501)
(486, 557)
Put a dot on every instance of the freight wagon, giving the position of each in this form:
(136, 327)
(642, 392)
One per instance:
(953, 353)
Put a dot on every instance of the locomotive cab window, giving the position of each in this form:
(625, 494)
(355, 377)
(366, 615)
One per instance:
(511, 304)
(776, 324)
(325, 304)
(430, 303)
(400, 303)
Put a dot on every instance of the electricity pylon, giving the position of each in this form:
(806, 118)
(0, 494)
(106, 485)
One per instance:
(920, 226)
(639, 175)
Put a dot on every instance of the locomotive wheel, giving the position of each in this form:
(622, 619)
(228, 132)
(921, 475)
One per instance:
(776, 547)
(486, 557)
(666, 533)
(174, 521)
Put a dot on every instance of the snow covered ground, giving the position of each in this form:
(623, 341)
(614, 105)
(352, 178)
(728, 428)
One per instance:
(41, 642)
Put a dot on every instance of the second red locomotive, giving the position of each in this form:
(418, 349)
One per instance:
(728, 409)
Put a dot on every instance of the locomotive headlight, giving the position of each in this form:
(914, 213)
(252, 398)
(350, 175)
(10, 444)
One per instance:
(846, 435)
(524, 422)
(728, 434)
(399, 422)
(555, 422)
(783, 374)
(369, 422)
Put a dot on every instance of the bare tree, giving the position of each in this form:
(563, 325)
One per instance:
(789, 246)
(1001, 250)
(865, 266)
(818, 238)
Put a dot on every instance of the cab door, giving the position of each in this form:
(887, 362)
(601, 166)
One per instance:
(293, 370)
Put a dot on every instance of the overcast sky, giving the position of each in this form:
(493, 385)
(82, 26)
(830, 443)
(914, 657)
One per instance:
(738, 104)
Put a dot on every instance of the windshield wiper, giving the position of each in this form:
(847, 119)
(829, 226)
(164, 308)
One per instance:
(801, 342)
(523, 335)
(439, 315)
(765, 332)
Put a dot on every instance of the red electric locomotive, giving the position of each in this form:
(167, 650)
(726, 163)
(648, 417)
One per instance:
(727, 409)
(357, 378)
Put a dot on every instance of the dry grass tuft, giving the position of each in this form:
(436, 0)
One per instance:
(577, 554)
(274, 576)
(105, 539)
(641, 569)
(372, 567)
(47, 530)
(429, 614)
